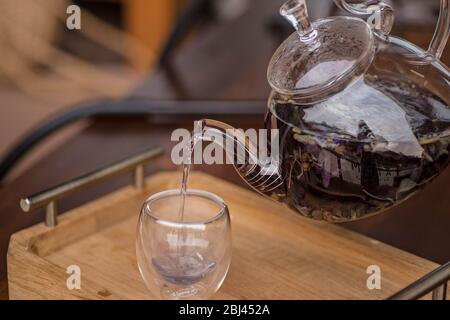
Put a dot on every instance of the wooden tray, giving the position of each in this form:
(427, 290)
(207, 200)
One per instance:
(276, 253)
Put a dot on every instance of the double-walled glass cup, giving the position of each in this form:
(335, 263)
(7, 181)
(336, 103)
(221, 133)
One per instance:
(184, 254)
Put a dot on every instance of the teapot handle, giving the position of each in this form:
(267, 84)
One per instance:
(441, 34)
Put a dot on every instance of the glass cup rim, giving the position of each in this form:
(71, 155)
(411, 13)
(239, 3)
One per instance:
(189, 192)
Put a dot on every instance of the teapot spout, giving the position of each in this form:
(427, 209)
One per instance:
(259, 167)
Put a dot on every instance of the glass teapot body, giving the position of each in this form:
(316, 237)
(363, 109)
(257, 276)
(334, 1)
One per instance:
(369, 147)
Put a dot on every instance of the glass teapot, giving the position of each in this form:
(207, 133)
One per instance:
(362, 118)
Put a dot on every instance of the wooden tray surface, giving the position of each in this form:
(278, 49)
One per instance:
(276, 253)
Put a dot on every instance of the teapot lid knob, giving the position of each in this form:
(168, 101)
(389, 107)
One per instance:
(296, 12)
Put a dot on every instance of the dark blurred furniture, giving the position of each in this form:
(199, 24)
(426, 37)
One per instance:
(224, 62)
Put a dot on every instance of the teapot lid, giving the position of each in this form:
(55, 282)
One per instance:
(320, 58)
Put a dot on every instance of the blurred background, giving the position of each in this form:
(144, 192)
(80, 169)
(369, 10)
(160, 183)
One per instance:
(157, 49)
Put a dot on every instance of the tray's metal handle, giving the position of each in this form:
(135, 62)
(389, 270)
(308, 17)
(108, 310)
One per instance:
(48, 198)
(435, 282)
